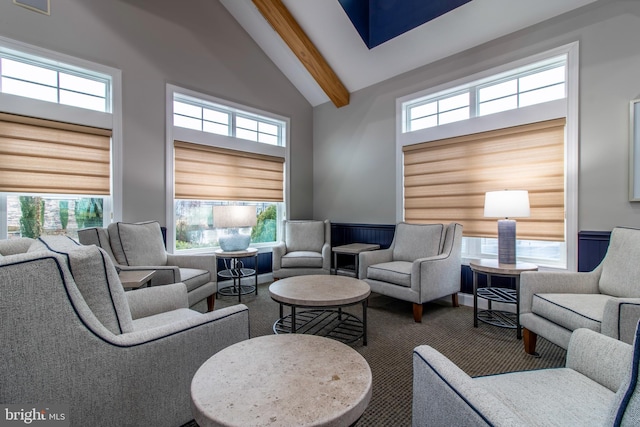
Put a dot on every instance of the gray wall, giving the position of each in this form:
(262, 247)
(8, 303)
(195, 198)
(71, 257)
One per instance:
(353, 149)
(194, 44)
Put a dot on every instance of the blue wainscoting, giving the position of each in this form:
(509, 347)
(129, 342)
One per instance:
(344, 234)
(264, 263)
(592, 247)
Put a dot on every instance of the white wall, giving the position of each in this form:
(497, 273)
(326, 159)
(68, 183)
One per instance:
(354, 158)
(194, 44)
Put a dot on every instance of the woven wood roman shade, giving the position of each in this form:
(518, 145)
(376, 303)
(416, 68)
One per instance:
(202, 172)
(42, 156)
(446, 180)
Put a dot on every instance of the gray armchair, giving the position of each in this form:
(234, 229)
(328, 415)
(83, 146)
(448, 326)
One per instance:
(140, 246)
(598, 386)
(71, 335)
(606, 300)
(422, 264)
(305, 249)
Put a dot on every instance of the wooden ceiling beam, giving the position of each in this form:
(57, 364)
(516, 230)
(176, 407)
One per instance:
(279, 17)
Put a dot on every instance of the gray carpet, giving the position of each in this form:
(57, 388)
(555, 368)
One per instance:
(392, 337)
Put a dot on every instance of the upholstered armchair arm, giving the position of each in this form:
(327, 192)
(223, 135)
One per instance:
(149, 301)
(590, 354)
(444, 395)
(200, 262)
(536, 282)
(435, 277)
(620, 318)
(277, 252)
(326, 257)
(235, 317)
(365, 259)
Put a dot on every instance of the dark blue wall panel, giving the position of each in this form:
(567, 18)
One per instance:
(344, 234)
(378, 21)
(592, 247)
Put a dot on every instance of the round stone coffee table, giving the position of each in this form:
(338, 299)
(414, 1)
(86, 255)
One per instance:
(282, 380)
(324, 296)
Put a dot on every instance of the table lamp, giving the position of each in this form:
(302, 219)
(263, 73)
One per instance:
(506, 204)
(232, 218)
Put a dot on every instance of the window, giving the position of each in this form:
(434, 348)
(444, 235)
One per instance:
(435, 112)
(53, 83)
(520, 133)
(200, 115)
(222, 153)
(536, 83)
(59, 131)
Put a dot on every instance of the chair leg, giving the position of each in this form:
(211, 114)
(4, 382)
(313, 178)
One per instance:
(417, 313)
(211, 299)
(529, 339)
(454, 300)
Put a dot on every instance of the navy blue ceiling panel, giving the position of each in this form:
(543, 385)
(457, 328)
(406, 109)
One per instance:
(378, 21)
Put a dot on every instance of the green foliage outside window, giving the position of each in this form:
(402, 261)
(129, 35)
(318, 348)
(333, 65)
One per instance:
(88, 212)
(63, 206)
(31, 221)
(265, 229)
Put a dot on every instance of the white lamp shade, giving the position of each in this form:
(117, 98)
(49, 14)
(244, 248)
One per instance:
(506, 204)
(229, 216)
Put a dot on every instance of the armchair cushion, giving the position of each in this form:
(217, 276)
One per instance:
(413, 241)
(573, 396)
(302, 259)
(15, 246)
(158, 299)
(194, 278)
(138, 244)
(304, 236)
(396, 272)
(571, 310)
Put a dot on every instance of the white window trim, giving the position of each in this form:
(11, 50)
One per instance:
(13, 104)
(189, 135)
(567, 107)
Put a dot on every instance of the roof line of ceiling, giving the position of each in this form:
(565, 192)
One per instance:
(279, 17)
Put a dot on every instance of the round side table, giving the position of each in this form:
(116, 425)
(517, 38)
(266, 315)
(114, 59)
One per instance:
(491, 267)
(282, 380)
(235, 270)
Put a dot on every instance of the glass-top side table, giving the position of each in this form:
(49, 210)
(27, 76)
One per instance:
(490, 268)
(235, 270)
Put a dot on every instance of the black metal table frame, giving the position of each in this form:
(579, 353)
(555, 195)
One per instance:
(500, 318)
(335, 311)
(235, 270)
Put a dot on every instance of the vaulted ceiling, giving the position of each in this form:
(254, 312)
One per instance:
(331, 48)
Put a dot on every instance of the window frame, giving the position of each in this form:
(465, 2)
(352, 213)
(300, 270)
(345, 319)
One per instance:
(222, 141)
(112, 119)
(566, 107)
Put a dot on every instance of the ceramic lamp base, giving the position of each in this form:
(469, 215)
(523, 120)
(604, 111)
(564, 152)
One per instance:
(234, 242)
(506, 241)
